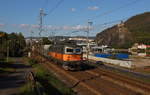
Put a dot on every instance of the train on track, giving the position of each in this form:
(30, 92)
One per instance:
(67, 54)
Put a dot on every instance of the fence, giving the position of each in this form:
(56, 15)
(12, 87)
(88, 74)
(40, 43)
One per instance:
(127, 64)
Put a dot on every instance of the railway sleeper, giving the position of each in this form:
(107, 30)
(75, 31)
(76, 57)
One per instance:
(83, 80)
(129, 86)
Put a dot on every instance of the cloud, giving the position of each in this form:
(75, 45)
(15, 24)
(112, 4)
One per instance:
(66, 28)
(35, 26)
(93, 8)
(73, 9)
(1, 25)
(24, 25)
(14, 25)
(79, 28)
(51, 28)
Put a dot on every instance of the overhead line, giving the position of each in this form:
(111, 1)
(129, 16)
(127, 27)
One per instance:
(113, 10)
(110, 22)
(116, 9)
(55, 7)
(106, 13)
(98, 25)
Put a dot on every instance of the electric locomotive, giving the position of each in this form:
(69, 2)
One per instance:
(67, 54)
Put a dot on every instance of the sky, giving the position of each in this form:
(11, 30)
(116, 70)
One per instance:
(66, 17)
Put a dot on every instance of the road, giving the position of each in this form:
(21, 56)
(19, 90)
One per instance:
(10, 83)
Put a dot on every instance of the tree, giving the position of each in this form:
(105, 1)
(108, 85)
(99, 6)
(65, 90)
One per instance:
(13, 43)
(3, 44)
(16, 44)
(46, 41)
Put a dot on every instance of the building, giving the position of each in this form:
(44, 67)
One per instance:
(140, 49)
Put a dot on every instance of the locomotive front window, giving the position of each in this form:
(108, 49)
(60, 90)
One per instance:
(69, 50)
(77, 50)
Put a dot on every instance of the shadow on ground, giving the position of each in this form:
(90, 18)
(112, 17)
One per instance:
(14, 65)
(11, 81)
(14, 78)
(49, 88)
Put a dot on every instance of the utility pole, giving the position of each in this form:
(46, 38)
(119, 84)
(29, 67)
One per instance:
(42, 14)
(31, 53)
(7, 50)
(88, 44)
(31, 44)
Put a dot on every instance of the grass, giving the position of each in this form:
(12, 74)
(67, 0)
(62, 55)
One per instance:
(27, 90)
(7, 61)
(6, 70)
(6, 66)
(51, 84)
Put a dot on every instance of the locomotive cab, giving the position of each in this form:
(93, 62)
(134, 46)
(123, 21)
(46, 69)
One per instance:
(72, 54)
(72, 58)
(68, 55)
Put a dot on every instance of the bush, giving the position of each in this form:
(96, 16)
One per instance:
(2, 57)
(32, 61)
(27, 89)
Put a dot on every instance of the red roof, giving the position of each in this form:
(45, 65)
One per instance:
(148, 46)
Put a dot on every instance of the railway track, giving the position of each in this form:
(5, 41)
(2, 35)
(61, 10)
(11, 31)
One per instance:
(130, 83)
(73, 78)
(98, 81)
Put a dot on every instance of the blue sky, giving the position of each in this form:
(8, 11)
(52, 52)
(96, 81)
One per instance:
(70, 15)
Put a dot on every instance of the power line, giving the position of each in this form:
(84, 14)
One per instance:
(116, 9)
(113, 10)
(98, 25)
(94, 26)
(56, 6)
(110, 22)
(105, 13)
(97, 16)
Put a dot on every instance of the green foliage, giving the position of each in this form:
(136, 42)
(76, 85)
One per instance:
(3, 45)
(14, 43)
(141, 50)
(2, 57)
(51, 84)
(27, 89)
(139, 26)
(32, 61)
(46, 41)
(7, 67)
(139, 32)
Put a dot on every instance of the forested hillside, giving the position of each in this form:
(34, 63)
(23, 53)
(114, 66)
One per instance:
(134, 30)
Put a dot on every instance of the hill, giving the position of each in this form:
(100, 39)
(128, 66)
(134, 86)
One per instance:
(135, 30)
